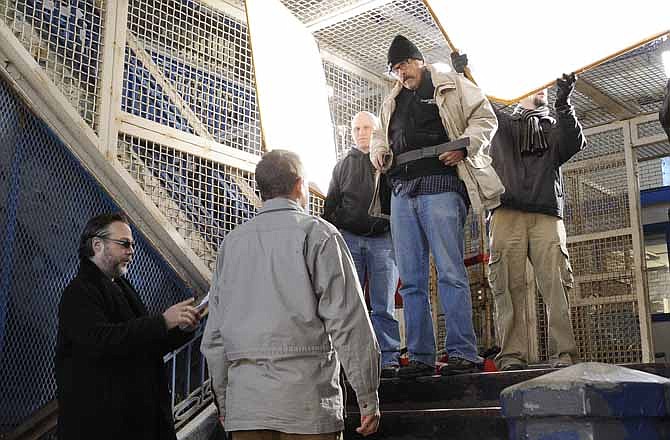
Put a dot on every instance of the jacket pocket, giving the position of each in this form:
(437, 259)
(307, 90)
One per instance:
(566, 268)
(488, 183)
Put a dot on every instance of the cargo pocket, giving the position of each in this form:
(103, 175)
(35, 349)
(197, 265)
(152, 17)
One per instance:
(566, 269)
(494, 272)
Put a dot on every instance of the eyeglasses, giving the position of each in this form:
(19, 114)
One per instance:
(125, 243)
(396, 68)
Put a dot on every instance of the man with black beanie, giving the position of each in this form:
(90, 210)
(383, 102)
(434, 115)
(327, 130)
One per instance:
(528, 151)
(433, 187)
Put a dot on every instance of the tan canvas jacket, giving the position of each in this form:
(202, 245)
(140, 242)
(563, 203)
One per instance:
(465, 112)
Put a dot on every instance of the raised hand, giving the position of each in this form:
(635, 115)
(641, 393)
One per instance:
(565, 86)
(459, 61)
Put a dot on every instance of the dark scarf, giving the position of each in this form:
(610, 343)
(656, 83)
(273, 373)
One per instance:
(531, 136)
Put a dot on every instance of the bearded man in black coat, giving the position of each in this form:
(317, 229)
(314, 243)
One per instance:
(109, 356)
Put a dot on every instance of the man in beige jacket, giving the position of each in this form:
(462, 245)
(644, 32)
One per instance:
(432, 190)
(285, 309)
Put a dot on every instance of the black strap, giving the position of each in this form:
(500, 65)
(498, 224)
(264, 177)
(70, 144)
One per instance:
(432, 151)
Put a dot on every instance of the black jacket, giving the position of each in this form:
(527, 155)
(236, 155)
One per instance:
(664, 114)
(350, 193)
(110, 375)
(534, 183)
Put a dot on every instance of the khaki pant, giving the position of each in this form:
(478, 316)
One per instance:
(516, 237)
(276, 435)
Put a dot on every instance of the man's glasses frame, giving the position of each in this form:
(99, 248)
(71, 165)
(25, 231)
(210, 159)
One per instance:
(395, 69)
(125, 243)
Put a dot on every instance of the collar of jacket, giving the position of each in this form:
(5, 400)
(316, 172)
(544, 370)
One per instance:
(89, 269)
(280, 204)
(353, 151)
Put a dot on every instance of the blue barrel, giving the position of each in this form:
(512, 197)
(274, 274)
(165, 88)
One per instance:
(589, 401)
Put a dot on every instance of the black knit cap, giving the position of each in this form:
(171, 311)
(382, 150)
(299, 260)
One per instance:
(402, 49)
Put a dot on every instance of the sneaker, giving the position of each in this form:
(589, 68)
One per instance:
(389, 371)
(416, 369)
(459, 366)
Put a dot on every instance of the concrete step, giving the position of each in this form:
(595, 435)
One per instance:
(452, 424)
(477, 390)
(463, 407)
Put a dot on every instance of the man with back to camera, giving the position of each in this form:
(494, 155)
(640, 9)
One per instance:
(285, 309)
(110, 375)
(432, 191)
(368, 238)
(528, 151)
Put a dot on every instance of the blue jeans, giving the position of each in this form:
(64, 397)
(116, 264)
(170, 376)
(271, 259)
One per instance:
(375, 255)
(433, 222)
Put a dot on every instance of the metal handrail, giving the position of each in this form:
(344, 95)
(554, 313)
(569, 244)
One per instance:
(189, 397)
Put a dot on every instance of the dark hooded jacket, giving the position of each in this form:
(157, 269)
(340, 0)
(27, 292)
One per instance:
(110, 374)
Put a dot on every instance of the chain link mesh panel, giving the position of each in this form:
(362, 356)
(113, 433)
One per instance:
(651, 174)
(313, 10)
(364, 39)
(596, 197)
(635, 78)
(608, 332)
(653, 158)
(651, 128)
(65, 38)
(47, 197)
(352, 93)
(203, 199)
(189, 67)
(604, 299)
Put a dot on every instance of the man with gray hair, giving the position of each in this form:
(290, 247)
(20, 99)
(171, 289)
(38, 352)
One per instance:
(285, 309)
(369, 238)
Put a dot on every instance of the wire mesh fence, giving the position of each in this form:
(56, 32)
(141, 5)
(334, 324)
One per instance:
(201, 198)
(188, 66)
(352, 93)
(46, 198)
(363, 38)
(66, 40)
(598, 218)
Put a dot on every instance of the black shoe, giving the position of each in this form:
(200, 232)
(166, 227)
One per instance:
(389, 372)
(514, 366)
(459, 366)
(415, 369)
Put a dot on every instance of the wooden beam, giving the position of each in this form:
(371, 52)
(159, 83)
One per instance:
(168, 89)
(612, 105)
(44, 99)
